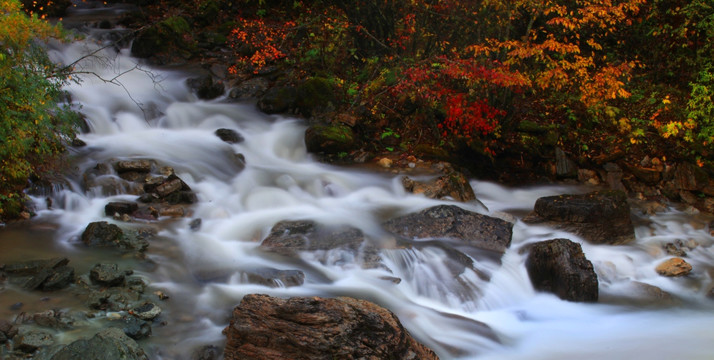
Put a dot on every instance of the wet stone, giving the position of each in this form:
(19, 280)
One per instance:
(107, 275)
(142, 166)
(107, 344)
(195, 224)
(147, 311)
(276, 278)
(208, 352)
(34, 266)
(61, 278)
(229, 135)
(120, 208)
(133, 327)
(33, 340)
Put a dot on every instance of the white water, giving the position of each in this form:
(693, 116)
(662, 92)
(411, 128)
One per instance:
(281, 181)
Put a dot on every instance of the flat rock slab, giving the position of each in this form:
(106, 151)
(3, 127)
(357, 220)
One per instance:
(601, 217)
(264, 327)
(452, 222)
(107, 344)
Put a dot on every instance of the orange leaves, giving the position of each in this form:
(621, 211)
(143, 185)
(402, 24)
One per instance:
(263, 40)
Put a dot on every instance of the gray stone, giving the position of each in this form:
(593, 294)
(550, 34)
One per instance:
(107, 344)
(275, 278)
(107, 275)
(453, 222)
(229, 135)
(133, 327)
(32, 340)
(61, 278)
(140, 166)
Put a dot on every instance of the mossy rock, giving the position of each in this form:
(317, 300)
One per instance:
(431, 152)
(329, 139)
(315, 94)
(278, 100)
(165, 36)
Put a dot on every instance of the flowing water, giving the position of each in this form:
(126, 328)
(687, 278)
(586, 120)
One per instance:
(153, 115)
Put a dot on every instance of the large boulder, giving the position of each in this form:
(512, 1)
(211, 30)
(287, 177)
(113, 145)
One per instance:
(264, 327)
(288, 238)
(559, 266)
(329, 139)
(452, 222)
(103, 234)
(107, 344)
(601, 217)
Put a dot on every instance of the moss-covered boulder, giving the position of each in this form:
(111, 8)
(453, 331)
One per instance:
(329, 139)
(315, 95)
(279, 99)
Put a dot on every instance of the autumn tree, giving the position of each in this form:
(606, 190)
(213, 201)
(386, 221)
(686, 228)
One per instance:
(33, 127)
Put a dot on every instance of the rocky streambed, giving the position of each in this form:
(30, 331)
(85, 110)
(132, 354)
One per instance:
(197, 227)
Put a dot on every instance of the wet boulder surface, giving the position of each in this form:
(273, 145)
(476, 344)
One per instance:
(601, 217)
(264, 327)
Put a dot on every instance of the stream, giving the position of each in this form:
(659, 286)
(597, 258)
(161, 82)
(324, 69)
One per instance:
(154, 115)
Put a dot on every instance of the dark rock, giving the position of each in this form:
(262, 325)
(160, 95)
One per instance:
(103, 234)
(289, 237)
(32, 340)
(250, 89)
(453, 185)
(146, 311)
(559, 266)
(648, 176)
(113, 299)
(453, 222)
(3, 338)
(275, 278)
(169, 187)
(601, 217)
(278, 100)
(181, 197)
(61, 278)
(195, 224)
(139, 166)
(78, 143)
(107, 344)
(133, 327)
(329, 139)
(229, 135)
(315, 95)
(564, 166)
(120, 208)
(34, 266)
(206, 87)
(7, 328)
(264, 327)
(690, 177)
(107, 275)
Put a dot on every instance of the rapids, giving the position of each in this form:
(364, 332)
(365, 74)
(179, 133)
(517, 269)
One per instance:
(149, 113)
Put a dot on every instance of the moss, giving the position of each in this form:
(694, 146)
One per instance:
(314, 94)
(330, 139)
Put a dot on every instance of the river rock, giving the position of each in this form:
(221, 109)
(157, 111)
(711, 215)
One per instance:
(103, 234)
(329, 139)
(229, 135)
(207, 352)
(452, 222)
(453, 185)
(115, 208)
(278, 100)
(674, 267)
(559, 266)
(287, 238)
(601, 217)
(107, 344)
(146, 311)
(32, 267)
(264, 327)
(8, 329)
(107, 275)
(250, 89)
(60, 278)
(206, 87)
(32, 340)
(133, 327)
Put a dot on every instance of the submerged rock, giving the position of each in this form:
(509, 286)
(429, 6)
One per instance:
(601, 217)
(107, 344)
(452, 222)
(133, 327)
(32, 340)
(264, 327)
(48, 275)
(559, 266)
(290, 237)
(274, 277)
(107, 275)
